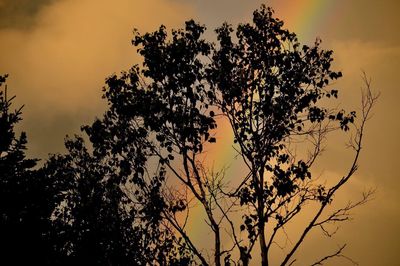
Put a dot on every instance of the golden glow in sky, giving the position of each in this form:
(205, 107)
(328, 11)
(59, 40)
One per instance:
(58, 53)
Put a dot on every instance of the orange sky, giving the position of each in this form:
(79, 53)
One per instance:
(58, 53)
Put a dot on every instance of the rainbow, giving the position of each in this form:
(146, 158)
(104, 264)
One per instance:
(305, 18)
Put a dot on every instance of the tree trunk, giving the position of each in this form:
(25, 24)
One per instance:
(261, 219)
(263, 246)
(217, 254)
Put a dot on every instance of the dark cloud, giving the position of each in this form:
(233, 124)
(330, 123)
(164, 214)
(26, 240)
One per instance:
(20, 13)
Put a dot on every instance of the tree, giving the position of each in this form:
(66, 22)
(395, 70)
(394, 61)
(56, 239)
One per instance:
(171, 109)
(75, 210)
(274, 93)
(26, 197)
(270, 89)
(108, 214)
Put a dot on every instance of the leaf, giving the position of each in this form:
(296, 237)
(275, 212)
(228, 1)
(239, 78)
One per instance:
(212, 140)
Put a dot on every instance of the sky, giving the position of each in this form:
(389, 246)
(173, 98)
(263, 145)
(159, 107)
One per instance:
(59, 52)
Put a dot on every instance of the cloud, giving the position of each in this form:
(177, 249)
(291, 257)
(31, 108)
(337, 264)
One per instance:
(20, 13)
(57, 68)
(355, 54)
(377, 222)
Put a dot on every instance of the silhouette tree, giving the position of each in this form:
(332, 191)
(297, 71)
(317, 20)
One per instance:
(168, 101)
(25, 195)
(109, 211)
(274, 93)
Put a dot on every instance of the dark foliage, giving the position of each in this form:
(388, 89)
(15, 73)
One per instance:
(26, 196)
(109, 213)
(271, 88)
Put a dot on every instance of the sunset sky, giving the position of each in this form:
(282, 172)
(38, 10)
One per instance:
(59, 52)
